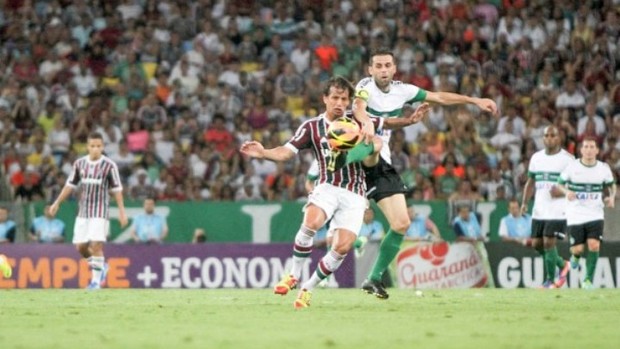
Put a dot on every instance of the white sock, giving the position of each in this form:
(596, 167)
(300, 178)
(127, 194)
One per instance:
(327, 266)
(96, 264)
(302, 249)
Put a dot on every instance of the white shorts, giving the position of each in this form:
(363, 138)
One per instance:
(344, 208)
(90, 229)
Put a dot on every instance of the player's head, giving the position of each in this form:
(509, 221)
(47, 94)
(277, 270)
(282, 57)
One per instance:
(551, 138)
(94, 145)
(382, 67)
(149, 205)
(589, 148)
(337, 96)
(513, 208)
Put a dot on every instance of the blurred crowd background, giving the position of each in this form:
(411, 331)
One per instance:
(176, 86)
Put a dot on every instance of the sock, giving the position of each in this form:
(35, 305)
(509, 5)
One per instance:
(358, 243)
(591, 260)
(541, 251)
(96, 265)
(559, 261)
(327, 266)
(359, 152)
(387, 251)
(550, 259)
(301, 249)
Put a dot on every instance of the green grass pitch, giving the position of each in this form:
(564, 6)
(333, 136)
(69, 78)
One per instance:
(207, 319)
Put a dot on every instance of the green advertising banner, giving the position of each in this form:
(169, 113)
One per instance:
(255, 222)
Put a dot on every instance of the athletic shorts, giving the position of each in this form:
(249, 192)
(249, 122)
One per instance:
(548, 228)
(344, 208)
(383, 181)
(90, 229)
(580, 233)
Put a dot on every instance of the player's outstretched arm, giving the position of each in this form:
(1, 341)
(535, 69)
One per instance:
(256, 150)
(449, 98)
(420, 113)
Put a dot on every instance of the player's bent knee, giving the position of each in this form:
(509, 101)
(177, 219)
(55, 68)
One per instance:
(401, 226)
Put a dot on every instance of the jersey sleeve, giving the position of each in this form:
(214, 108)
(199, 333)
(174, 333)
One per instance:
(74, 177)
(114, 179)
(361, 90)
(414, 94)
(565, 175)
(302, 138)
(503, 228)
(531, 168)
(608, 179)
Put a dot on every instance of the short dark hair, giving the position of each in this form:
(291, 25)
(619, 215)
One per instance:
(382, 51)
(340, 83)
(95, 135)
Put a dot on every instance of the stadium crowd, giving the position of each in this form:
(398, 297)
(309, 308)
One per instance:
(176, 86)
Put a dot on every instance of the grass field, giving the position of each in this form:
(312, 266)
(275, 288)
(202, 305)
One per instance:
(206, 319)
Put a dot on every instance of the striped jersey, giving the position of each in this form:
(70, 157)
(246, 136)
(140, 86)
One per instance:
(312, 134)
(588, 183)
(96, 179)
(545, 169)
(389, 105)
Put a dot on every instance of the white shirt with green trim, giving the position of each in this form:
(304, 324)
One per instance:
(545, 169)
(588, 183)
(387, 104)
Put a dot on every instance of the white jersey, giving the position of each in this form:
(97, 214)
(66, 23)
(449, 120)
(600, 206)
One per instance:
(545, 170)
(387, 105)
(588, 183)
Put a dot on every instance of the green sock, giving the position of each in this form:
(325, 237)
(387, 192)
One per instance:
(358, 243)
(591, 260)
(559, 261)
(541, 251)
(360, 152)
(387, 251)
(550, 258)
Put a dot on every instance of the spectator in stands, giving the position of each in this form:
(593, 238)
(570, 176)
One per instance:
(466, 226)
(422, 228)
(7, 227)
(149, 227)
(47, 228)
(515, 227)
(200, 236)
(371, 229)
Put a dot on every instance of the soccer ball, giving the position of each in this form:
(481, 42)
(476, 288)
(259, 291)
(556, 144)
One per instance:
(343, 134)
(5, 267)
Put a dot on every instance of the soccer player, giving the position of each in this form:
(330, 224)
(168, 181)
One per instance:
(548, 213)
(380, 96)
(338, 195)
(585, 181)
(97, 175)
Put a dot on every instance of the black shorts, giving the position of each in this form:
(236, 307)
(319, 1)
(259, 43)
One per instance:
(548, 228)
(382, 181)
(579, 233)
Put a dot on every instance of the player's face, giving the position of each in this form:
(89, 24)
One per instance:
(382, 70)
(336, 102)
(589, 150)
(551, 138)
(95, 148)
